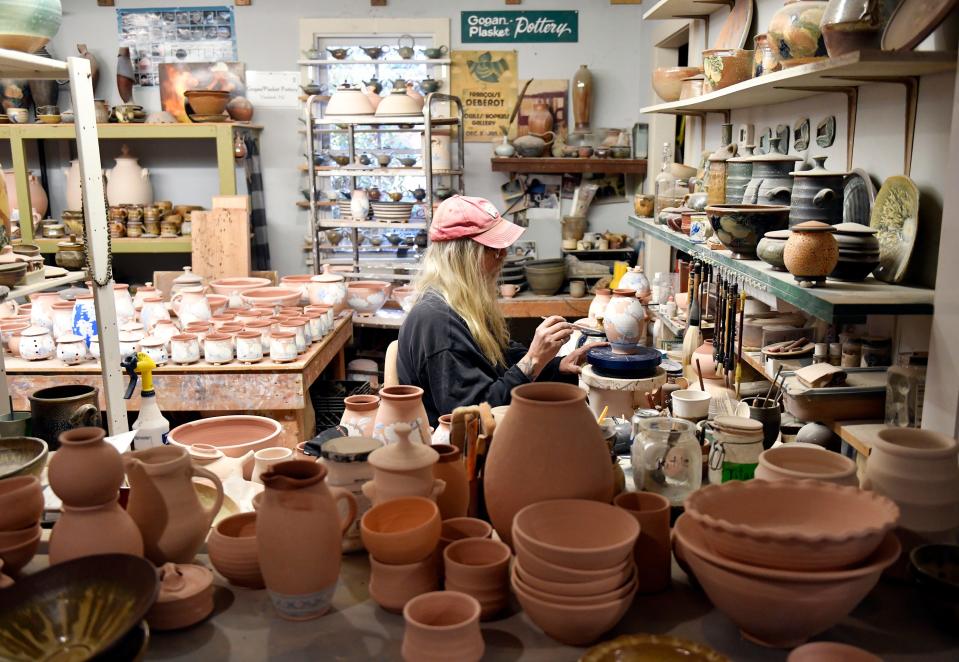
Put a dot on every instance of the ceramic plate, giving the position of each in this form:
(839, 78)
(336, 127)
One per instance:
(895, 215)
(651, 648)
(858, 196)
(912, 21)
(794, 353)
(736, 27)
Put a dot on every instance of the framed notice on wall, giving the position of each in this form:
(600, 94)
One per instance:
(486, 83)
(503, 26)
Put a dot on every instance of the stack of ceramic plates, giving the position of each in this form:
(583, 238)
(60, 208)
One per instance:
(392, 212)
(513, 271)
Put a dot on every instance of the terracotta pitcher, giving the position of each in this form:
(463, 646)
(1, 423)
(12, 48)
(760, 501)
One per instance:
(545, 420)
(401, 405)
(299, 532)
(164, 504)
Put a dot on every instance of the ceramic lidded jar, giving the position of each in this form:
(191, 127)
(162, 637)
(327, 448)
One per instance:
(187, 279)
(71, 349)
(403, 468)
(545, 420)
(328, 290)
(127, 182)
(142, 293)
(771, 247)
(623, 321)
(597, 307)
(299, 531)
(771, 182)
(455, 499)
(86, 531)
(185, 597)
(811, 252)
(858, 251)
(156, 349)
(346, 460)
(401, 405)
(817, 194)
(86, 471)
(36, 344)
(165, 505)
(359, 413)
(634, 279)
(794, 30)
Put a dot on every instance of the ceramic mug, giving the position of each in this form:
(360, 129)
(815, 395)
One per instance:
(283, 346)
(508, 290)
(265, 458)
(249, 349)
(185, 349)
(577, 289)
(690, 404)
(217, 348)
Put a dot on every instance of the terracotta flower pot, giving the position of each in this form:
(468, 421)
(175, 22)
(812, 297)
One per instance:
(401, 404)
(359, 414)
(454, 500)
(103, 529)
(479, 567)
(299, 531)
(86, 471)
(545, 420)
(21, 502)
(652, 550)
(401, 531)
(392, 586)
(233, 550)
(440, 626)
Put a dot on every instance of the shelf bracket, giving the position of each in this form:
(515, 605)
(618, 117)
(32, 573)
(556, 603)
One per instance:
(852, 110)
(911, 83)
(728, 3)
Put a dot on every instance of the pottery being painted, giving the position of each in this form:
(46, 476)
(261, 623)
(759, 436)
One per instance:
(635, 280)
(794, 29)
(740, 227)
(366, 300)
(623, 321)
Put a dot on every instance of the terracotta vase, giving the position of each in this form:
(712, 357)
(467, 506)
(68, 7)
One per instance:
(540, 118)
(401, 405)
(441, 435)
(545, 420)
(582, 97)
(165, 505)
(623, 321)
(652, 551)
(86, 471)
(125, 77)
(38, 197)
(455, 499)
(359, 414)
(299, 531)
(102, 529)
(393, 585)
(403, 469)
(440, 626)
(94, 69)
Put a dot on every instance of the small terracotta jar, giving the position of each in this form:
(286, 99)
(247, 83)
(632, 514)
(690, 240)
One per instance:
(404, 468)
(811, 252)
(233, 551)
(283, 346)
(479, 567)
(401, 405)
(346, 459)
(86, 471)
(454, 501)
(443, 625)
(86, 531)
(392, 586)
(217, 348)
(359, 413)
(184, 349)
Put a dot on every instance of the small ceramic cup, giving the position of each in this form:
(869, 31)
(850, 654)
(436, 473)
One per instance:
(249, 349)
(185, 349)
(392, 586)
(479, 567)
(265, 458)
(577, 289)
(690, 404)
(17, 115)
(508, 290)
(442, 625)
(233, 550)
(283, 346)
(217, 348)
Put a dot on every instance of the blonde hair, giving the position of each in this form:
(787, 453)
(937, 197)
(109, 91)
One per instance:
(454, 270)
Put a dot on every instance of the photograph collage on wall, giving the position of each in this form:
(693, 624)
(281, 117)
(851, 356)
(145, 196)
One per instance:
(175, 35)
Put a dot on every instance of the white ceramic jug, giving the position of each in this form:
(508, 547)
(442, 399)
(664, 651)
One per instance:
(191, 305)
(127, 182)
(74, 195)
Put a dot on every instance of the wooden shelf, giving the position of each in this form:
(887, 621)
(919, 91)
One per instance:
(668, 9)
(15, 64)
(816, 78)
(368, 62)
(858, 434)
(46, 284)
(337, 223)
(552, 165)
(132, 245)
(124, 131)
(834, 299)
(414, 171)
(373, 120)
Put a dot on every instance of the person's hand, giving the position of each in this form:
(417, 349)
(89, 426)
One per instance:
(547, 341)
(572, 362)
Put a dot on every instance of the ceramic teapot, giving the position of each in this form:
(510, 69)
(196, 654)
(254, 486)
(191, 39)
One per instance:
(817, 194)
(430, 85)
(405, 52)
(164, 504)
(403, 468)
(375, 52)
(339, 53)
(418, 194)
(127, 182)
(311, 54)
(533, 146)
(435, 53)
(771, 182)
(374, 85)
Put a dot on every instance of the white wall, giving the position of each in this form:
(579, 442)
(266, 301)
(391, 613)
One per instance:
(610, 44)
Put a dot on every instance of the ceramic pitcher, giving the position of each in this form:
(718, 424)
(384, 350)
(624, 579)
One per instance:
(191, 305)
(165, 505)
(299, 531)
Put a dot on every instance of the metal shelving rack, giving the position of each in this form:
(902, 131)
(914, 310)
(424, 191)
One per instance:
(415, 124)
(14, 64)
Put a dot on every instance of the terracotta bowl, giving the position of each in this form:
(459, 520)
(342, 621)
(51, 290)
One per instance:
(207, 102)
(668, 81)
(542, 569)
(458, 528)
(558, 598)
(228, 286)
(18, 547)
(575, 625)
(20, 456)
(576, 533)
(366, 297)
(815, 463)
(477, 562)
(797, 524)
(233, 551)
(780, 608)
(271, 296)
(830, 651)
(21, 502)
(234, 436)
(401, 531)
(392, 585)
(572, 589)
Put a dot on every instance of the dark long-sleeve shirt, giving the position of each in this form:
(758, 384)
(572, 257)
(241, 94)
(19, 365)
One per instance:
(438, 353)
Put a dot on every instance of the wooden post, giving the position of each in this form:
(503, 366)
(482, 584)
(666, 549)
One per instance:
(225, 162)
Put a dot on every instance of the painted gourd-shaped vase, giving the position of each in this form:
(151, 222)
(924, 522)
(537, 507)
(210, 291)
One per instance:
(623, 321)
(794, 29)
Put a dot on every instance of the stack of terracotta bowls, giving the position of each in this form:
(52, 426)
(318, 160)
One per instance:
(787, 559)
(401, 536)
(574, 572)
(21, 506)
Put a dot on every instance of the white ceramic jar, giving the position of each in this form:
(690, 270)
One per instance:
(36, 343)
(735, 451)
(296, 327)
(129, 344)
(328, 290)
(124, 304)
(317, 325)
(217, 348)
(152, 312)
(94, 348)
(283, 346)
(249, 348)
(71, 349)
(263, 328)
(624, 321)
(184, 349)
(62, 319)
(127, 182)
(155, 348)
(345, 459)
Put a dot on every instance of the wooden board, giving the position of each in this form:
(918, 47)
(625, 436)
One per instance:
(241, 202)
(221, 243)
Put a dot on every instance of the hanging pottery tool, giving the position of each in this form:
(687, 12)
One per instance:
(729, 360)
(739, 354)
(718, 329)
(693, 337)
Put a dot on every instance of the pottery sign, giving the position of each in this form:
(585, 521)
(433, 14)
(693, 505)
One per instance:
(519, 26)
(486, 83)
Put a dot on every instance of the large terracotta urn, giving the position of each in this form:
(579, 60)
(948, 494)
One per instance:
(103, 529)
(127, 182)
(165, 505)
(548, 446)
(299, 531)
(401, 405)
(38, 197)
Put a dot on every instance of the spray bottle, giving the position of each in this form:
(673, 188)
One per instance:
(151, 427)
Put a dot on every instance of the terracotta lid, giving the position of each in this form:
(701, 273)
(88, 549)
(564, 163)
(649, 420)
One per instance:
(35, 331)
(349, 449)
(283, 334)
(777, 234)
(180, 586)
(183, 337)
(404, 455)
(217, 337)
(813, 226)
(840, 228)
(819, 170)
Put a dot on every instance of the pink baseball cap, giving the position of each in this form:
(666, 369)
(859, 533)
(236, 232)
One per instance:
(463, 216)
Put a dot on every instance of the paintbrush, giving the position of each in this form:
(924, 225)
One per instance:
(771, 385)
(693, 337)
(730, 352)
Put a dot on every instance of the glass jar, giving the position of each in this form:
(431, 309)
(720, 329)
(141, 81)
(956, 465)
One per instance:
(666, 185)
(737, 444)
(851, 353)
(905, 391)
(667, 459)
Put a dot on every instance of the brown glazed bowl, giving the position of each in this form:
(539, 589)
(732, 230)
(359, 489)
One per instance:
(207, 102)
(668, 81)
(34, 625)
(803, 525)
(401, 531)
(779, 608)
(21, 502)
(576, 533)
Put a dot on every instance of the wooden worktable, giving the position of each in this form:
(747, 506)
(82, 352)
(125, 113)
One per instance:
(525, 305)
(278, 390)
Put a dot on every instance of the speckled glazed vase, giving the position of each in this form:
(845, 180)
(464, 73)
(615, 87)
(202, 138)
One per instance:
(27, 25)
(811, 252)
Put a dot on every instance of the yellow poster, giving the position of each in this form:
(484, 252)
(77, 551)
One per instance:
(486, 83)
